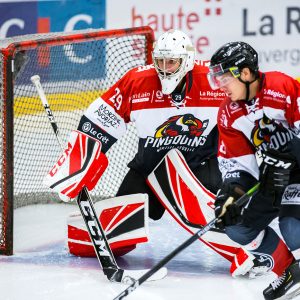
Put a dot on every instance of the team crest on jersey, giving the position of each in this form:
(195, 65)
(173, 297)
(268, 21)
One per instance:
(267, 132)
(184, 132)
(186, 124)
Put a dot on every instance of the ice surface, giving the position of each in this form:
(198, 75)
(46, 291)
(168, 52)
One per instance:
(42, 269)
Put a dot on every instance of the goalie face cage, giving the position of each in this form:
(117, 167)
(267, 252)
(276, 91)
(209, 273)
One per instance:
(75, 68)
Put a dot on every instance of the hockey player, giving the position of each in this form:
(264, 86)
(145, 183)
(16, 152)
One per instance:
(172, 106)
(259, 122)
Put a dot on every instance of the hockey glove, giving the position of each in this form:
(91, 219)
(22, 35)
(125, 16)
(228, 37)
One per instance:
(275, 171)
(81, 165)
(225, 208)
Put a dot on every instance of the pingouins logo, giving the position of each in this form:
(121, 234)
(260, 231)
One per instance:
(183, 131)
(267, 132)
(183, 124)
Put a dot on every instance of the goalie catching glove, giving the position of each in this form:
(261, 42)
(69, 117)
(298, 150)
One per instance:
(81, 165)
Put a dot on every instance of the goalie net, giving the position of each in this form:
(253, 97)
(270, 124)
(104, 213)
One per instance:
(75, 68)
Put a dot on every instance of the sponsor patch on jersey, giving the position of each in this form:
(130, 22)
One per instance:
(144, 68)
(140, 97)
(227, 166)
(291, 195)
(212, 95)
(139, 100)
(107, 116)
(234, 107)
(235, 174)
(183, 131)
(275, 95)
(90, 128)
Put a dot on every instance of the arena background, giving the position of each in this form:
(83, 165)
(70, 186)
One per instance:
(270, 26)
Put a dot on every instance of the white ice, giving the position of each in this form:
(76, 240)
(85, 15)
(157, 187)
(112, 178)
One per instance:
(42, 269)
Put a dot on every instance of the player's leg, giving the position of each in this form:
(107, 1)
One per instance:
(288, 284)
(260, 239)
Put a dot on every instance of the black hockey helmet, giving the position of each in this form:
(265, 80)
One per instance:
(232, 57)
(236, 54)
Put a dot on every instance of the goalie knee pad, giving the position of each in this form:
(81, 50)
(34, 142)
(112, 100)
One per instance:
(124, 220)
(81, 165)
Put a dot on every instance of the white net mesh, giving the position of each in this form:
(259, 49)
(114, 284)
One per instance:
(73, 74)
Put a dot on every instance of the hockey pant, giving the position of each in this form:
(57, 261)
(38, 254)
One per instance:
(192, 206)
(124, 220)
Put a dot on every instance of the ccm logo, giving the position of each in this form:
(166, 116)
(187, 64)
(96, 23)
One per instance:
(277, 163)
(94, 231)
(61, 160)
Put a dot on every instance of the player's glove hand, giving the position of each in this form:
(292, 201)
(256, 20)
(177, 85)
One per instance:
(275, 170)
(225, 208)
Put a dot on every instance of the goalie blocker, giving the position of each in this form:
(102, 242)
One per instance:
(81, 165)
(192, 206)
(124, 219)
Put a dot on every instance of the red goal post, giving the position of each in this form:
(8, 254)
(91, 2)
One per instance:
(75, 68)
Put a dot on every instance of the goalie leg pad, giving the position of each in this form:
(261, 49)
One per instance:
(124, 220)
(188, 201)
(81, 164)
(242, 263)
(182, 195)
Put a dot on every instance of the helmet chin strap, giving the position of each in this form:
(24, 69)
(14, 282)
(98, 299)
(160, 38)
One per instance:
(247, 84)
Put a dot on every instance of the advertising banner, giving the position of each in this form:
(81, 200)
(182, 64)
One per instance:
(272, 27)
(20, 18)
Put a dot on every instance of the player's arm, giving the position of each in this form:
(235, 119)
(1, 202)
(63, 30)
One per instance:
(276, 164)
(238, 165)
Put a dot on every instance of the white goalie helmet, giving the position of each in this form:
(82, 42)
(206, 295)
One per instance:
(173, 56)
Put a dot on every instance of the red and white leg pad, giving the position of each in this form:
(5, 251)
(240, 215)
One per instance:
(192, 206)
(124, 220)
(242, 263)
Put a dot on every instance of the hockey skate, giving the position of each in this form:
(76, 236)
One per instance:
(287, 286)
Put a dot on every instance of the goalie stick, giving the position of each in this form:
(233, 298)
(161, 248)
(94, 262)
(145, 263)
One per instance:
(240, 202)
(97, 235)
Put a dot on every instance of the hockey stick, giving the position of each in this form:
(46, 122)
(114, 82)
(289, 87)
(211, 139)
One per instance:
(97, 235)
(240, 202)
